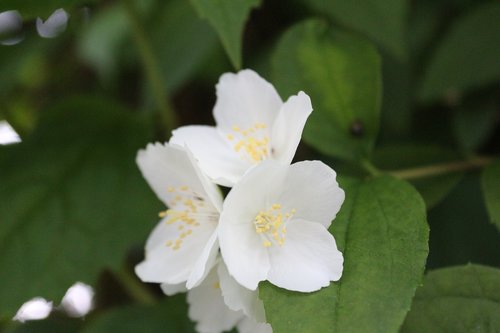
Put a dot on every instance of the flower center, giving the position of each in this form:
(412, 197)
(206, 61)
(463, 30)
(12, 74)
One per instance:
(271, 225)
(186, 209)
(252, 142)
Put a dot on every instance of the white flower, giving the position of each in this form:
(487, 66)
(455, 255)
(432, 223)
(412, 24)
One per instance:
(78, 300)
(183, 246)
(35, 309)
(210, 309)
(274, 226)
(253, 124)
(54, 25)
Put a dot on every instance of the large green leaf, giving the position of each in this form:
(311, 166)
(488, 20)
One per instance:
(491, 189)
(382, 21)
(72, 200)
(405, 156)
(341, 73)
(468, 55)
(182, 41)
(228, 17)
(457, 299)
(170, 315)
(383, 234)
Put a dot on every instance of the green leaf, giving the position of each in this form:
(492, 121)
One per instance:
(382, 231)
(228, 18)
(457, 299)
(473, 125)
(53, 324)
(170, 315)
(341, 73)
(404, 156)
(382, 21)
(491, 190)
(181, 54)
(468, 55)
(72, 200)
(30, 9)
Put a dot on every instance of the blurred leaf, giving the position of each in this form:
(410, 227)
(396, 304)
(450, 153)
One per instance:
(457, 299)
(382, 21)
(382, 231)
(72, 200)
(341, 73)
(53, 324)
(228, 18)
(491, 190)
(102, 40)
(461, 232)
(468, 55)
(474, 124)
(182, 42)
(170, 315)
(432, 189)
(30, 9)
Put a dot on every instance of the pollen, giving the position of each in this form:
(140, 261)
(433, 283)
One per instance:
(270, 225)
(187, 208)
(252, 143)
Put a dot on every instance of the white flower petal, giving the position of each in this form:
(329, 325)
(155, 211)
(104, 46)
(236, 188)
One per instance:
(78, 300)
(288, 127)
(172, 289)
(308, 260)
(35, 309)
(237, 297)
(245, 99)
(167, 168)
(204, 263)
(247, 260)
(207, 307)
(312, 190)
(54, 25)
(163, 263)
(214, 154)
(248, 325)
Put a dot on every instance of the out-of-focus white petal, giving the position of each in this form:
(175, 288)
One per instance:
(248, 325)
(245, 99)
(214, 154)
(288, 127)
(7, 134)
(311, 189)
(167, 263)
(11, 25)
(35, 309)
(170, 172)
(78, 300)
(237, 297)
(207, 307)
(308, 260)
(172, 289)
(54, 25)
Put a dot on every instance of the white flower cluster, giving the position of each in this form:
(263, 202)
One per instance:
(272, 225)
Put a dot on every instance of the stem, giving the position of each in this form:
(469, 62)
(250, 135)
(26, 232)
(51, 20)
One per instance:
(439, 169)
(370, 168)
(151, 67)
(134, 288)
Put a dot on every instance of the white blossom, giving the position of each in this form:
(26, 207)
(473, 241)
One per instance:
(209, 307)
(78, 300)
(183, 246)
(35, 309)
(252, 124)
(274, 226)
(54, 25)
